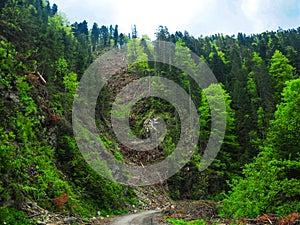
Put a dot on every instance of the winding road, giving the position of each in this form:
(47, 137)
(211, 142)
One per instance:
(143, 218)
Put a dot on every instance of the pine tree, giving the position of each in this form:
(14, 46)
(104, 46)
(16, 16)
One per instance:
(104, 36)
(281, 71)
(162, 33)
(116, 36)
(134, 33)
(272, 182)
(227, 163)
(122, 40)
(95, 36)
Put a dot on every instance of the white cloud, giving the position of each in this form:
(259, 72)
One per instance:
(148, 15)
(270, 14)
(196, 16)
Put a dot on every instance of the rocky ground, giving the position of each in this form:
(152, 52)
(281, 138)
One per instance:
(186, 210)
(149, 198)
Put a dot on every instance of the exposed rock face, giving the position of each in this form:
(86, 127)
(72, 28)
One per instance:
(13, 97)
(52, 136)
(153, 197)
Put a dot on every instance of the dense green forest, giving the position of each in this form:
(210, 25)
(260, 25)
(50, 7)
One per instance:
(43, 58)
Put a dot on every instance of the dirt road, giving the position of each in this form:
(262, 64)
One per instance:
(143, 218)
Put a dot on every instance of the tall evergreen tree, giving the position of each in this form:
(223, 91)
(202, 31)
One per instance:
(134, 33)
(95, 36)
(104, 36)
(122, 39)
(162, 33)
(227, 163)
(280, 71)
(272, 181)
(116, 36)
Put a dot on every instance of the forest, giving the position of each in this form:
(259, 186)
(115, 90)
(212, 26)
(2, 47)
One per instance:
(42, 60)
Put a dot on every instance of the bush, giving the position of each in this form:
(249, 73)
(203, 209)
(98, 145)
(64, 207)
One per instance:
(266, 188)
(12, 216)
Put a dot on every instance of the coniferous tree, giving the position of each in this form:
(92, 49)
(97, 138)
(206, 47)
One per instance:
(95, 36)
(116, 36)
(121, 39)
(162, 33)
(272, 183)
(54, 9)
(227, 163)
(134, 33)
(280, 71)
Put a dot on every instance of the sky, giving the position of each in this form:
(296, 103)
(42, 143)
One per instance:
(198, 17)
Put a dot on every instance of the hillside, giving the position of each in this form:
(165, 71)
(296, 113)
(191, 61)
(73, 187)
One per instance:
(184, 123)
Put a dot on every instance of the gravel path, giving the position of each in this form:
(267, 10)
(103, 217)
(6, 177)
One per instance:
(143, 218)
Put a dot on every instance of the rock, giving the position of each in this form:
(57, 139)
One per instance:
(69, 220)
(51, 134)
(13, 97)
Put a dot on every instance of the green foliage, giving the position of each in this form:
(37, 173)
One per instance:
(271, 183)
(30, 162)
(8, 61)
(182, 222)
(226, 165)
(70, 82)
(281, 71)
(12, 216)
(28, 155)
(109, 197)
(137, 57)
(284, 135)
(39, 158)
(266, 188)
(183, 57)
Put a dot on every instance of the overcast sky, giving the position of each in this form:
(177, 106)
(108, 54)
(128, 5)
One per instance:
(198, 17)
